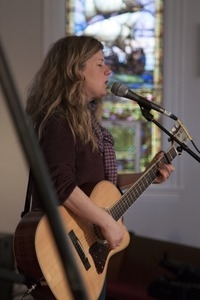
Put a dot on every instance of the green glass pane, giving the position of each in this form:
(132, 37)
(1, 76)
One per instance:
(125, 147)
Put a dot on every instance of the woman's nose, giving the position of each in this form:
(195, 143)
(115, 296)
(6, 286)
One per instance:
(108, 70)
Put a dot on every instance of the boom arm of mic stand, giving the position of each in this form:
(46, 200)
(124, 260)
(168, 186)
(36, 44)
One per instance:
(149, 117)
(42, 179)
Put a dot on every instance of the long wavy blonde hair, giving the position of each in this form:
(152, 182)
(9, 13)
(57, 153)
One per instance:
(58, 87)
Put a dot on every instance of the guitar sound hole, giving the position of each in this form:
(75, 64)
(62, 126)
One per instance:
(98, 233)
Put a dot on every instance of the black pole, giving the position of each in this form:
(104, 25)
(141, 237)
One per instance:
(40, 174)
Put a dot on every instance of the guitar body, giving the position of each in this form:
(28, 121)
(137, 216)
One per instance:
(37, 255)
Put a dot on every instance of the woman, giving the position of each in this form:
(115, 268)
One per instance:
(64, 104)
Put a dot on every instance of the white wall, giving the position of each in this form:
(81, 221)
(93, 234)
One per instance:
(168, 212)
(20, 23)
(27, 28)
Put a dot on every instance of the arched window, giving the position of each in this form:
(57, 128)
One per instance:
(132, 34)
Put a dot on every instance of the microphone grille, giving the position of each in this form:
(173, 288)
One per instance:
(119, 89)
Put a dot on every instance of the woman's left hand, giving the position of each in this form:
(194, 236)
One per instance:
(164, 170)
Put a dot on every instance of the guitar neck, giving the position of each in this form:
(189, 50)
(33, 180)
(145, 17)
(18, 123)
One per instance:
(132, 194)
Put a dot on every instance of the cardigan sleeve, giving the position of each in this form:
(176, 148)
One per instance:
(58, 147)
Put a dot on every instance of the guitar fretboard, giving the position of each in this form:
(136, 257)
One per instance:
(132, 194)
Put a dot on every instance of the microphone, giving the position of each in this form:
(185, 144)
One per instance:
(121, 90)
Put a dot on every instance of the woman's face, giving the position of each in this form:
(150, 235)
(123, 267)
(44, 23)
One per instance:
(96, 76)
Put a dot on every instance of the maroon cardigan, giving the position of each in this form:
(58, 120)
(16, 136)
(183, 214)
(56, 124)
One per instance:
(69, 164)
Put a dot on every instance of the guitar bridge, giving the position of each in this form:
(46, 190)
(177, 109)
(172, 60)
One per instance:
(79, 250)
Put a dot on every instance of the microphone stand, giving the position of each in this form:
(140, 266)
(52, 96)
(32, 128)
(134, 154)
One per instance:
(149, 117)
(43, 181)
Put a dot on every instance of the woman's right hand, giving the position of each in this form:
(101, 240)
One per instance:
(82, 206)
(113, 232)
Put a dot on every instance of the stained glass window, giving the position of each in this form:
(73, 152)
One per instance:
(132, 34)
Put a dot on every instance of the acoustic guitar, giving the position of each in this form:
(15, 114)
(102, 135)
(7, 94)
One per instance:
(35, 249)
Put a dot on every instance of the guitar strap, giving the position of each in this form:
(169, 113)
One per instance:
(27, 204)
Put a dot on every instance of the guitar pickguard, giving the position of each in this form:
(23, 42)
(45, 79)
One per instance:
(99, 253)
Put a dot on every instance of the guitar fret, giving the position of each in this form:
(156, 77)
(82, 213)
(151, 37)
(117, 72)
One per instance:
(129, 197)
